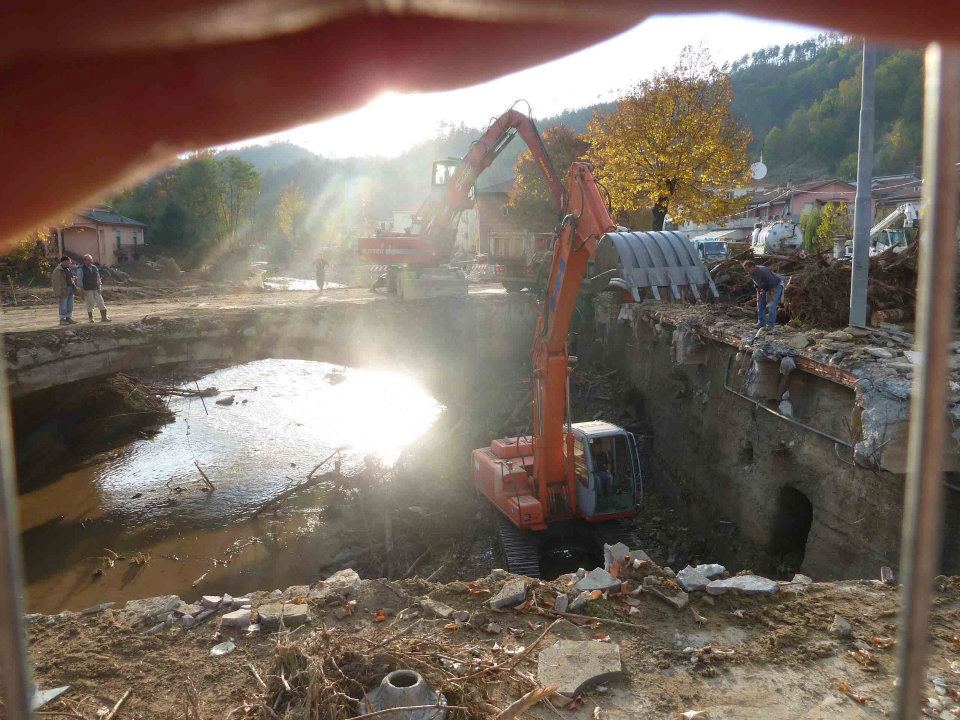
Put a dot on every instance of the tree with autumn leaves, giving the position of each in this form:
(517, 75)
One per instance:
(530, 202)
(672, 145)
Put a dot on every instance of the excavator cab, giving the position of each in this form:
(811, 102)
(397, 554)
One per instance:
(443, 171)
(607, 470)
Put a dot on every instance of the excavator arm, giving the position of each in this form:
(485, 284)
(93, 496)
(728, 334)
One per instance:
(438, 213)
(585, 223)
(552, 475)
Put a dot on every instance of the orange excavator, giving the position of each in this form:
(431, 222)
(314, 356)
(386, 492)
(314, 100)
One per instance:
(586, 471)
(419, 256)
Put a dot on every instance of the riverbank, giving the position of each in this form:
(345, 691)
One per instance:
(730, 656)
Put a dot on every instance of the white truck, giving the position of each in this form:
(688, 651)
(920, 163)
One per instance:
(778, 237)
(883, 237)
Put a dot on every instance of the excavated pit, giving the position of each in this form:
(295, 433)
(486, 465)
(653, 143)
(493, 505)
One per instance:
(724, 480)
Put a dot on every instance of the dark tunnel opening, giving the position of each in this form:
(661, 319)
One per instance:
(791, 529)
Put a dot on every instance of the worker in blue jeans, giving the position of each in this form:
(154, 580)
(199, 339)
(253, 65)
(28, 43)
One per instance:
(769, 292)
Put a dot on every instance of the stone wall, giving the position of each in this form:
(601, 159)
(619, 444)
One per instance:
(745, 476)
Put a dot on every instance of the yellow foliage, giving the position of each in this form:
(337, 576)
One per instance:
(834, 223)
(532, 205)
(672, 145)
(27, 257)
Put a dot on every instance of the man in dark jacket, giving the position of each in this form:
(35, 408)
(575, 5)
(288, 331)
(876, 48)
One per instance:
(64, 286)
(90, 283)
(769, 292)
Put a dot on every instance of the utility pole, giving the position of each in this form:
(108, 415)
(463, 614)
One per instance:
(862, 215)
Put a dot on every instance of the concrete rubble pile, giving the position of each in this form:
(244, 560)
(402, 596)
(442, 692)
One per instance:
(593, 639)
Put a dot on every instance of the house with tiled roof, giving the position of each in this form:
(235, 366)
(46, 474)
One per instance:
(99, 231)
(792, 200)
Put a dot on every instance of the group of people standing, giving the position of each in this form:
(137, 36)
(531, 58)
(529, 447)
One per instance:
(85, 279)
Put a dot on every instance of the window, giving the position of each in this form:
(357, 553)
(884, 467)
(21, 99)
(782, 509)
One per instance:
(580, 463)
(134, 234)
(504, 210)
(119, 237)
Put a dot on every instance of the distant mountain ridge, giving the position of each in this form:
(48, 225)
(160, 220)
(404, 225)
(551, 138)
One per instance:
(801, 102)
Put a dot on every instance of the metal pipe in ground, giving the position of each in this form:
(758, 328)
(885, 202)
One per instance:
(923, 506)
(15, 676)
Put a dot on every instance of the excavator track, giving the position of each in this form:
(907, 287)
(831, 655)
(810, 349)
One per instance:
(521, 549)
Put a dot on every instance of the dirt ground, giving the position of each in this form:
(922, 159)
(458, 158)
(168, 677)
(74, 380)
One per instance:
(732, 656)
(44, 316)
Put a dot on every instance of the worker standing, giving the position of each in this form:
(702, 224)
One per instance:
(320, 266)
(64, 287)
(91, 284)
(769, 292)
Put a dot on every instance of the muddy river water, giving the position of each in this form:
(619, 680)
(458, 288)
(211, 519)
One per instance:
(145, 502)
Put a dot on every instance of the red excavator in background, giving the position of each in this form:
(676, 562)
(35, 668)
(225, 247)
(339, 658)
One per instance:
(587, 471)
(419, 257)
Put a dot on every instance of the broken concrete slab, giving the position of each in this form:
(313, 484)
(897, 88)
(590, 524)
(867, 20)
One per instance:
(342, 585)
(295, 591)
(598, 579)
(887, 576)
(188, 609)
(666, 591)
(692, 580)
(211, 601)
(879, 352)
(746, 584)
(344, 581)
(97, 608)
(840, 627)
(840, 335)
(436, 608)
(613, 553)
(561, 603)
(711, 570)
(238, 619)
(579, 602)
(572, 666)
(42, 697)
(512, 593)
(150, 608)
(291, 615)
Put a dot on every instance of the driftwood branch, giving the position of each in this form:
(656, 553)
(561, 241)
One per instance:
(526, 701)
(310, 482)
(206, 480)
(116, 708)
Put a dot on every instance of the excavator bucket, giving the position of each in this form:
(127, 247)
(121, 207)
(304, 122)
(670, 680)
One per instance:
(648, 261)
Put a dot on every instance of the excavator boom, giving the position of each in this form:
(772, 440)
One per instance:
(587, 470)
(435, 220)
(585, 223)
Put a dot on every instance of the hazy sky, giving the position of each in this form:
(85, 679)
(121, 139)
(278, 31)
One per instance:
(392, 123)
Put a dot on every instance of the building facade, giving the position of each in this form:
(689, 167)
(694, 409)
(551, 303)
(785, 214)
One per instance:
(110, 238)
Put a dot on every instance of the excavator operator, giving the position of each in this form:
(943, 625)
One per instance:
(601, 464)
